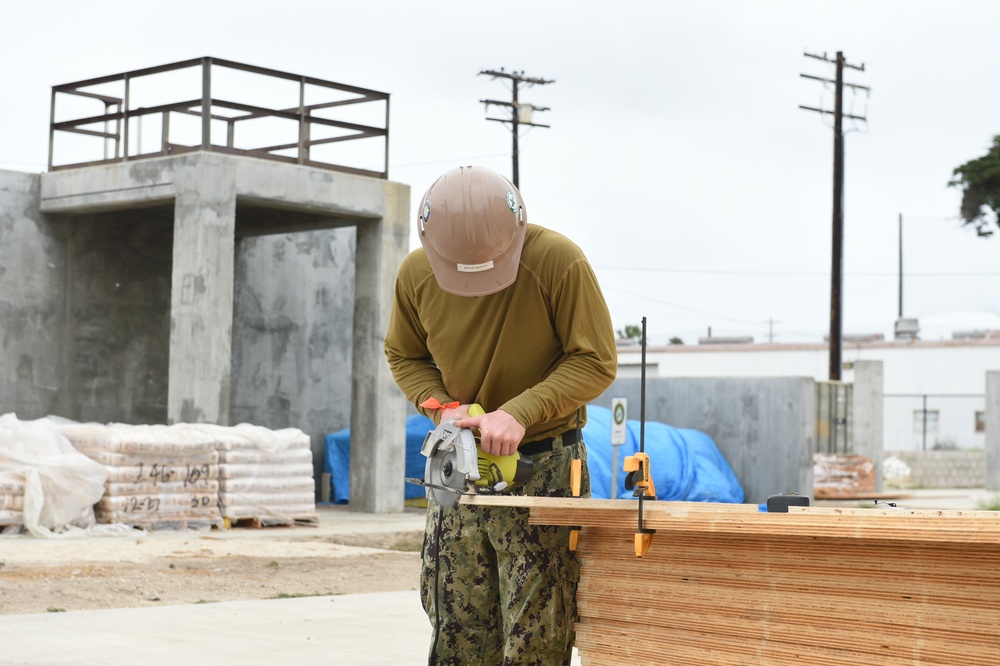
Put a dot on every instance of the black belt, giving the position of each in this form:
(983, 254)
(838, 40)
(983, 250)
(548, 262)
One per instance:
(569, 438)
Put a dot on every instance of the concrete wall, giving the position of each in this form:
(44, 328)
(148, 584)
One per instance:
(84, 309)
(32, 303)
(764, 426)
(294, 314)
(866, 411)
(941, 469)
(117, 340)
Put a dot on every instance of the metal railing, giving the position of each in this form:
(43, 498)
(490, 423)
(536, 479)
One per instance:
(115, 125)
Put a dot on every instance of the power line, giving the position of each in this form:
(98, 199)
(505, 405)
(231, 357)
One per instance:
(450, 160)
(520, 113)
(681, 307)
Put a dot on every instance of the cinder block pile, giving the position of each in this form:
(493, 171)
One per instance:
(158, 476)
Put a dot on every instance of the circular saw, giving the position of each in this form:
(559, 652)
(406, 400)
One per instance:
(456, 465)
(451, 466)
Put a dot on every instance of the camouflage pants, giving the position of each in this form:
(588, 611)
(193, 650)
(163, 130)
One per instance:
(498, 591)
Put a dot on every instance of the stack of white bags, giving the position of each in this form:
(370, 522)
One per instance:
(265, 476)
(157, 476)
(57, 475)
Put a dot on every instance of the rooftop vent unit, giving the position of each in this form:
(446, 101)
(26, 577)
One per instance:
(907, 329)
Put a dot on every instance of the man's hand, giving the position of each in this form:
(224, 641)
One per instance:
(460, 412)
(499, 432)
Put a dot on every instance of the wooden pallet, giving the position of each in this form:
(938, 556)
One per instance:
(725, 584)
(259, 522)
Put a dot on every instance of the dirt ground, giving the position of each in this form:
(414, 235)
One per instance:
(344, 554)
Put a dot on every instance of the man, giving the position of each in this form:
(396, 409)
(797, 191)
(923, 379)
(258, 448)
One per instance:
(496, 312)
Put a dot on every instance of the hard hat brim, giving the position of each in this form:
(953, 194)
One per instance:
(477, 282)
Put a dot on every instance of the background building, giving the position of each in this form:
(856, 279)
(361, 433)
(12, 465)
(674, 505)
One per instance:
(944, 381)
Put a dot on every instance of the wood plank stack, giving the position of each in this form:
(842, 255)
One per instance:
(724, 584)
(843, 476)
(265, 476)
(159, 477)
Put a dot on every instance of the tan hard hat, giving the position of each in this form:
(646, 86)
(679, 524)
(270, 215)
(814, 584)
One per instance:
(472, 223)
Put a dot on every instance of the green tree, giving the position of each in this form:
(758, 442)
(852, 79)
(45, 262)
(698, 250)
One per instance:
(979, 180)
(630, 332)
(676, 341)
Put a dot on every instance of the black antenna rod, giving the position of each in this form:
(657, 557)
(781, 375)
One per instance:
(642, 397)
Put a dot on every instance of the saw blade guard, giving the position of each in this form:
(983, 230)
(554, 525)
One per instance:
(451, 463)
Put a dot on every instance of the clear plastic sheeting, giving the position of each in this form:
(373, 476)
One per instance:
(46, 485)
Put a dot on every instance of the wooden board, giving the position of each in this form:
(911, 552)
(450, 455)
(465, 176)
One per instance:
(725, 584)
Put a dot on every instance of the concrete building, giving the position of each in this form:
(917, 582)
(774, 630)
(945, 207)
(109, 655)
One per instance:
(934, 392)
(208, 279)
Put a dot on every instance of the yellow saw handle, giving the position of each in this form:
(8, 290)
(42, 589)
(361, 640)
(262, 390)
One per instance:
(499, 472)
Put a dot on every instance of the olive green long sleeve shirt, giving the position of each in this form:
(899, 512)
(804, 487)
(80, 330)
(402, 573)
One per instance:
(541, 349)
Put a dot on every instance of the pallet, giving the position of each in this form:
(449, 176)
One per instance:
(260, 522)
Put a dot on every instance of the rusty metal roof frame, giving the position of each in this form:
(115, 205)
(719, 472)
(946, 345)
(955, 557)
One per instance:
(118, 112)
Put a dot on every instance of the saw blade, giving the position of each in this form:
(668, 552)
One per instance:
(444, 480)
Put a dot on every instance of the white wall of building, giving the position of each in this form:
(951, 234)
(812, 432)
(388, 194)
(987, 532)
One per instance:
(952, 374)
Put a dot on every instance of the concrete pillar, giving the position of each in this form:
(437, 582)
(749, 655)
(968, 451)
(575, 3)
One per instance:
(32, 302)
(378, 408)
(993, 430)
(866, 407)
(201, 298)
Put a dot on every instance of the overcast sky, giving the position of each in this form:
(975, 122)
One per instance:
(677, 157)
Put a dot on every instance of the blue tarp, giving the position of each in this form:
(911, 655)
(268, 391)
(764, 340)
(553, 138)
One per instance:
(686, 464)
(337, 461)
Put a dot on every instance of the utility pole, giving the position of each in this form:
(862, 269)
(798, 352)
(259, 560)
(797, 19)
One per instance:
(900, 266)
(770, 329)
(520, 113)
(837, 267)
